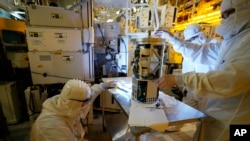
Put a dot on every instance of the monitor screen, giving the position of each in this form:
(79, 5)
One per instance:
(13, 37)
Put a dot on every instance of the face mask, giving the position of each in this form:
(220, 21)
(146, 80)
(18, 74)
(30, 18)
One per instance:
(227, 27)
(198, 41)
(84, 111)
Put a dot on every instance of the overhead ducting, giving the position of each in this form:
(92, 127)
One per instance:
(110, 3)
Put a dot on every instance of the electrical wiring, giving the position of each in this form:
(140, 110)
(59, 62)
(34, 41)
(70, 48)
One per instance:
(45, 75)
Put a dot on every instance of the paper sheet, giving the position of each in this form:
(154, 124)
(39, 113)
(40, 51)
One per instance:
(149, 117)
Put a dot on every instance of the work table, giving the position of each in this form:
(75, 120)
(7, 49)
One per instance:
(178, 114)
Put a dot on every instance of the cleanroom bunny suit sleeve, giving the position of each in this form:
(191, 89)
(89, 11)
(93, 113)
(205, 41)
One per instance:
(231, 78)
(203, 54)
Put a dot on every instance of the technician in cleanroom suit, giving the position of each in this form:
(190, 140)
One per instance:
(193, 33)
(196, 39)
(227, 87)
(61, 114)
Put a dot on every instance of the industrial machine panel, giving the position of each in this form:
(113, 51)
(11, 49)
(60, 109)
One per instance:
(14, 45)
(108, 102)
(53, 39)
(10, 101)
(144, 18)
(167, 15)
(18, 59)
(53, 16)
(33, 100)
(56, 67)
(111, 29)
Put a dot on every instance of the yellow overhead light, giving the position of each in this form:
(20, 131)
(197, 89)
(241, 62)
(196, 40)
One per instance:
(198, 17)
(209, 8)
(212, 18)
(214, 13)
(205, 19)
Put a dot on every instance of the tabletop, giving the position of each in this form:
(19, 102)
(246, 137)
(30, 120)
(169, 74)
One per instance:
(180, 113)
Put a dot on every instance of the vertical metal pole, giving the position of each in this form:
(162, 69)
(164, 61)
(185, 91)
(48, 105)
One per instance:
(126, 18)
(103, 113)
(176, 2)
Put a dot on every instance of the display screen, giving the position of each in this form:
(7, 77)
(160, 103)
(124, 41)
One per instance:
(14, 37)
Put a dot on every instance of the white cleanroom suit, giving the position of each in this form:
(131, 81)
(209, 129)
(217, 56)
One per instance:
(193, 33)
(193, 51)
(194, 60)
(60, 116)
(227, 87)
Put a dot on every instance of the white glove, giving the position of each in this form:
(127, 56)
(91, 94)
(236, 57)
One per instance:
(169, 36)
(164, 34)
(110, 84)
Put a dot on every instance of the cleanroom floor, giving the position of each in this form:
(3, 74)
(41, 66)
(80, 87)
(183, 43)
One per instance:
(21, 131)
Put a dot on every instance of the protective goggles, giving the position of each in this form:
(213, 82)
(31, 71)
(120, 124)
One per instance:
(191, 39)
(227, 13)
(83, 101)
